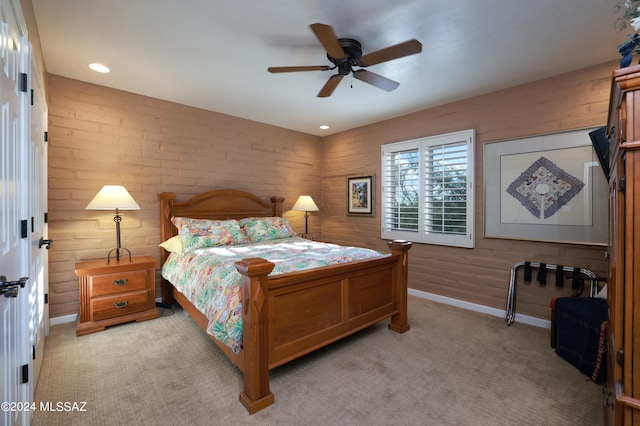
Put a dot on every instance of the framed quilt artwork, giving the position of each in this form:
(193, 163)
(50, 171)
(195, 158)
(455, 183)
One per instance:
(545, 188)
(360, 196)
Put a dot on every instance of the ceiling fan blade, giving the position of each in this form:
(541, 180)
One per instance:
(409, 47)
(330, 86)
(329, 40)
(295, 69)
(376, 80)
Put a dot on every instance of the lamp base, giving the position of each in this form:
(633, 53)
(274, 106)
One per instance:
(306, 223)
(117, 250)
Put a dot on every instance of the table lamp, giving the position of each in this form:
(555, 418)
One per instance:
(114, 197)
(305, 203)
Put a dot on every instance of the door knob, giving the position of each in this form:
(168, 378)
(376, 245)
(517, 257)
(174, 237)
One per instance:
(44, 242)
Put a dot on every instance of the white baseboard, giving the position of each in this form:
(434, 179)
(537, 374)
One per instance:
(525, 319)
(63, 319)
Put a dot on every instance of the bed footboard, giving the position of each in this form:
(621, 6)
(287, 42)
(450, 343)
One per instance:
(290, 315)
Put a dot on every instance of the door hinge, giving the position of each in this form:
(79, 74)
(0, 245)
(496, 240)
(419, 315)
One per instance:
(32, 97)
(46, 217)
(25, 374)
(33, 224)
(46, 298)
(46, 136)
(23, 82)
(24, 228)
(33, 352)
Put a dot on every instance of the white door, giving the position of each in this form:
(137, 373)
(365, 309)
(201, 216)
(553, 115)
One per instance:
(15, 249)
(39, 280)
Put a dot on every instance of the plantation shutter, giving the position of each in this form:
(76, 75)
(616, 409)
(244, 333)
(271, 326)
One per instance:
(401, 189)
(427, 190)
(445, 188)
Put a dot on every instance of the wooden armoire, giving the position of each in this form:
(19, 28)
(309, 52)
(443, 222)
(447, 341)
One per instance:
(622, 396)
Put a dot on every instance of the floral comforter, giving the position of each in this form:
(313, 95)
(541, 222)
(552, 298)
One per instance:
(210, 280)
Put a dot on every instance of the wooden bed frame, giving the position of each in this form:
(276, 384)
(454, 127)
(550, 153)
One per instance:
(289, 315)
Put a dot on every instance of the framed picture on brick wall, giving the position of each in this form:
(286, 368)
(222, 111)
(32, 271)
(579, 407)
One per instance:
(360, 201)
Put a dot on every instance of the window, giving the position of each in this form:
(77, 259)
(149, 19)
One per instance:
(427, 190)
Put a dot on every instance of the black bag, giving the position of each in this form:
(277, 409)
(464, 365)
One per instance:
(580, 324)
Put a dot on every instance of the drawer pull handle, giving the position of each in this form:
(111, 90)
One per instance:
(120, 282)
(120, 305)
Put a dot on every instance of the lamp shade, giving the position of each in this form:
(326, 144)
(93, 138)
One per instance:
(112, 197)
(305, 203)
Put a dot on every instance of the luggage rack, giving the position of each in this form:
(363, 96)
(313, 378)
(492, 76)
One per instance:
(511, 298)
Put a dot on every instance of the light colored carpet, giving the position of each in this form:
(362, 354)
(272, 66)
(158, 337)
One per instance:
(454, 367)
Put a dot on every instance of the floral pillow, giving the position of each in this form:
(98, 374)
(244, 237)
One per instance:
(266, 228)
(196, 233)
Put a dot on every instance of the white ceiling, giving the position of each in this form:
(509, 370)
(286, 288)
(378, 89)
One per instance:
(214, 54)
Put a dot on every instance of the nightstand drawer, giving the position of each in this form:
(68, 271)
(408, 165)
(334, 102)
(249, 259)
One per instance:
(101, 285)
(118, 305)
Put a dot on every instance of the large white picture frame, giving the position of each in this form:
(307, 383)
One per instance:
(545, 188)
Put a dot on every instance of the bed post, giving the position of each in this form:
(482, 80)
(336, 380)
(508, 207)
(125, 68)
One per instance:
(400, 321)
(277, 205)
(166, 231)
(255, 322)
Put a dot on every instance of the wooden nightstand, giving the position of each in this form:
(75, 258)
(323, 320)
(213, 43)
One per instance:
(115, 293)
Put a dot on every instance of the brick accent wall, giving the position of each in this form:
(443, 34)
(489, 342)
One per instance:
(100, 136)
(481, 275)
(103, 136)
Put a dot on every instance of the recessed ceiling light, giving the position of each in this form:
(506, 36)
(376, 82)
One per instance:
(324, 127)
(99, 68)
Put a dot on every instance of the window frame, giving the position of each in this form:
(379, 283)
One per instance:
(422, 145)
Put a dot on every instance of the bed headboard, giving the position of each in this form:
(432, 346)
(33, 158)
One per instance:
(217, 204)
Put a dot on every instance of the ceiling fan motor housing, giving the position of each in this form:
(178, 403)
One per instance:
(352, 51)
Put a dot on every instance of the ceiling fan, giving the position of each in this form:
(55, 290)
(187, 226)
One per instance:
(346, 53)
